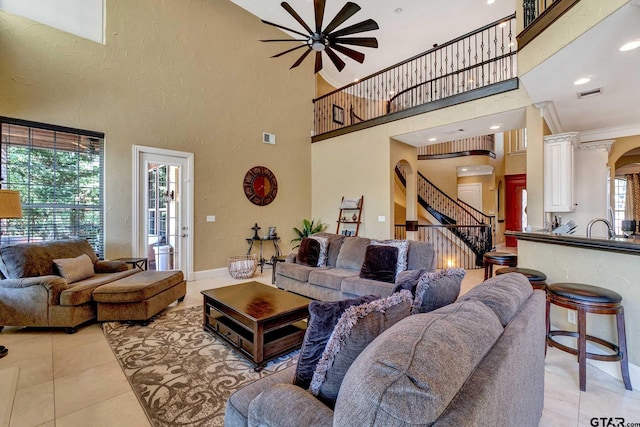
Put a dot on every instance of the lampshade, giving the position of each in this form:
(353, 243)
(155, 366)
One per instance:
(10, 204)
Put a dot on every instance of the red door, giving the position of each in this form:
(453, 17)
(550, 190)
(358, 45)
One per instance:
(515, 201)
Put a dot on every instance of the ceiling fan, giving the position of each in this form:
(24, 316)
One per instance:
(327, 40)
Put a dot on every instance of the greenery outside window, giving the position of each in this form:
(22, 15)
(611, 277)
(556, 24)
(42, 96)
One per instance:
(59, 174)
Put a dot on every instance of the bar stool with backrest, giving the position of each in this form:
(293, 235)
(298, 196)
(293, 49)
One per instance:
(497, 258)
(537, 279)
(589, 299)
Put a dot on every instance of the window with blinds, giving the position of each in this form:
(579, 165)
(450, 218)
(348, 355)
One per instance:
(59, 174)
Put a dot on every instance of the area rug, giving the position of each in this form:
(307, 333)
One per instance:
(181, 374)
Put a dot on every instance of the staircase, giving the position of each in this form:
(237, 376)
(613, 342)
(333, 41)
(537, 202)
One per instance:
(470, 226)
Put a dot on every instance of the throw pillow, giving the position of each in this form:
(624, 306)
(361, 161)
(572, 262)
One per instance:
(357, 327)
(323, 316)
(380, 263)
(408, 280)
(438, 289)
(352, 253)
(403, 251)
(75, 269)
(309, 252)
(324, 250)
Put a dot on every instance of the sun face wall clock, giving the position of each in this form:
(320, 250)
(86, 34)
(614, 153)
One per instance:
(260, 185)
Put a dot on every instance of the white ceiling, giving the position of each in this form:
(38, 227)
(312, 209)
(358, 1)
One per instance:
(421, 23)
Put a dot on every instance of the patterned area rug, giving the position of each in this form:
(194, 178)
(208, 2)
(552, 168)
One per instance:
(181, 374)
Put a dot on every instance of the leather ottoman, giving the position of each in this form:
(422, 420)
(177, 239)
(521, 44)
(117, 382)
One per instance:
(140, 296)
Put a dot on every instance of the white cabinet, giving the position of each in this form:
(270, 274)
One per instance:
(559, 174)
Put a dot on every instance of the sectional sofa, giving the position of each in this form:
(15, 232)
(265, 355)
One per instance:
(340, 278)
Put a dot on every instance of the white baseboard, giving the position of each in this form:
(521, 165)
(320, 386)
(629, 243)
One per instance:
(210, 274)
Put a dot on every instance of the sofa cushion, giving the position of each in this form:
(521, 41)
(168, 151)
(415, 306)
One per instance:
(334, 246)
(403, 248)
(358, 326)
(380, 263)
(356, 285)
(409, 372)
(324, 250)
(323, 316)
(309, 252)
(504, 294)
(36, 259)
(421, 255)
(295, 271)
(331, 277)
(352, 253)
(408, 280)
(82, 292)
(75, 269)
(438, 289)
(138, 287)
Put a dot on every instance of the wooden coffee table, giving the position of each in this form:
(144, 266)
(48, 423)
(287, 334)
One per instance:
(260, 321)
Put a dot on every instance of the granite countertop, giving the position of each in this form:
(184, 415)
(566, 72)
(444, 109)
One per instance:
(620, 244)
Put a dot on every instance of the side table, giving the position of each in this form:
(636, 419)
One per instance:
(261, 260)
(140, 263)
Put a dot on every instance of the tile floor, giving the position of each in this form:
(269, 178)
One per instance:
(75, 380)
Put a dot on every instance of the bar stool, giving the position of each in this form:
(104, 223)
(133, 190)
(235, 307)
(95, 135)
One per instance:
(497, 258)
(589, 299)
(537, 278)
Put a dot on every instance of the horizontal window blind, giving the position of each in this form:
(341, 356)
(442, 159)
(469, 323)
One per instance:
(59, 173)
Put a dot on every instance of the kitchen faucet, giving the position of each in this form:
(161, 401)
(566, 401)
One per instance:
(612, 234)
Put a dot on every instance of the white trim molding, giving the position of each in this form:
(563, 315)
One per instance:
(610, 133)
(606, 145)
(550, 115)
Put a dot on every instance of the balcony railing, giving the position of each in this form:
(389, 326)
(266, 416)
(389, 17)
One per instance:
(476, 60)
(477, 145)
(539, 15)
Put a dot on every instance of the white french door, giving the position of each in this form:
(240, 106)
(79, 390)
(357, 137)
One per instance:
(162, 208)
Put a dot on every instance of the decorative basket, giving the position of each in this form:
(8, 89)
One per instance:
(242, 266)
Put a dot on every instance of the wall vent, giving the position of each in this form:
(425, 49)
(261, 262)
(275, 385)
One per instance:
(592, 92)
(268, 138)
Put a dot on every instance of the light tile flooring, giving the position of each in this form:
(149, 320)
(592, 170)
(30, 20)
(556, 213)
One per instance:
(75, 380)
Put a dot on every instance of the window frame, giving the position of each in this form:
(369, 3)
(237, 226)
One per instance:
(94, 210)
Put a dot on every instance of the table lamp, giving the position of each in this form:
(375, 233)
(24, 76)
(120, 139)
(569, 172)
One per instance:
(9, 205)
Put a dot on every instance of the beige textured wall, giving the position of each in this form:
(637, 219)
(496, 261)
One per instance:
(187, 76)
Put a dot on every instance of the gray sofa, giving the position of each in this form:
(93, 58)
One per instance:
(34, 293)
(340, 278)
(476, 362)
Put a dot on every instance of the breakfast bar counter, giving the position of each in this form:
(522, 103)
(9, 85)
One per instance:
(609, 263)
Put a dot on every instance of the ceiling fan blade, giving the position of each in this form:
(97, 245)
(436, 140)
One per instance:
(339, 63)
(289, 50)
(284, 40)
(299, 61)
(285, 28)
(353, 54)
(318, 66)
(347, 11)
(295, 15)
(318, 6)
(360, 27)
(356, 41)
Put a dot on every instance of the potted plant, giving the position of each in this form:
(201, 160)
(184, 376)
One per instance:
(308, 228)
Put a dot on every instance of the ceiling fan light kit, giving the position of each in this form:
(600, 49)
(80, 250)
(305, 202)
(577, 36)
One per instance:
(328, 40)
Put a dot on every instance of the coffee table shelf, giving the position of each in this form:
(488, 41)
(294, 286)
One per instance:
(260, 321)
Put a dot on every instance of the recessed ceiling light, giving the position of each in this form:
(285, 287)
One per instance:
(464, 169)
(502, 25)
(582, 81)
(491, 1)
(432, 139)
(356, 80)
(630, 46)
(391, 92)
(494, 127)
(398, 10)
